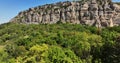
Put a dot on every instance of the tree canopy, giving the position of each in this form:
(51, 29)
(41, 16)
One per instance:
(58, 43)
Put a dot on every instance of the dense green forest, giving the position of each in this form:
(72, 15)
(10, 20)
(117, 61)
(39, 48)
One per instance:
(58, 43)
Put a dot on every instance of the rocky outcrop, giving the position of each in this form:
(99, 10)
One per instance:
(99, 13)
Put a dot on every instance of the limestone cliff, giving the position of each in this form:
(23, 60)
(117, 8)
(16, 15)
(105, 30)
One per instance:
(92, 12)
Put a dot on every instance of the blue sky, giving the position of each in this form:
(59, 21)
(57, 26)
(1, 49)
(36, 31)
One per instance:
(10, 8)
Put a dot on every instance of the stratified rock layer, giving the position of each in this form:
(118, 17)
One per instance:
(94, 13)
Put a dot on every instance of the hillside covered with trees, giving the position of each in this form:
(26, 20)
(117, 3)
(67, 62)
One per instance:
(58, 43)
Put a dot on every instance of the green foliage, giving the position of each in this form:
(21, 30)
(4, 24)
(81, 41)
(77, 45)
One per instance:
(58, 43)
(3, 55)
(117, 3)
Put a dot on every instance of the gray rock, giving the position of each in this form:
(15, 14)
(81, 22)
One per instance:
(94, 13)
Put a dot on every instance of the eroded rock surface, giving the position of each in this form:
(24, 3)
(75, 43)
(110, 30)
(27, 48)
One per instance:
(94, 13)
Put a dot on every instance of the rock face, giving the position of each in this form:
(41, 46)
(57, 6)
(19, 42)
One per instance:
(95, 13)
